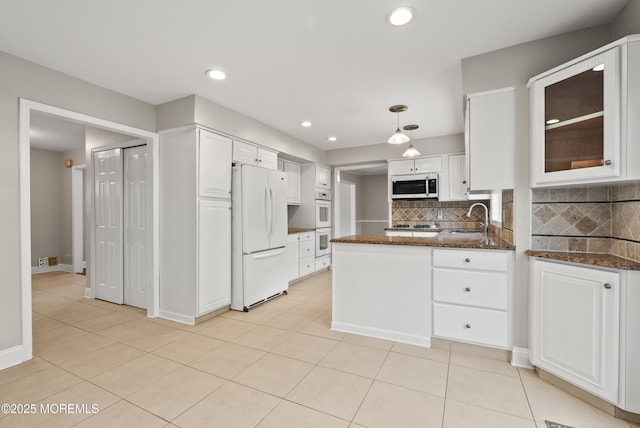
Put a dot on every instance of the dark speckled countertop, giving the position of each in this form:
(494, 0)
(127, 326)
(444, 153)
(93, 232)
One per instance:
(441, 240)
(604, 260)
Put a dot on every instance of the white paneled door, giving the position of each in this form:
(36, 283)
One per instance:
(107, 167)
(121, 226)
(136, 229)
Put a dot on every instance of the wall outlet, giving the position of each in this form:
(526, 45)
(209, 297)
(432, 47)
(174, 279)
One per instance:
(53, 260)
(43, 262)
(440, 216)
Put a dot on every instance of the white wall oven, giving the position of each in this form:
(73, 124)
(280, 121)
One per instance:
(323, 244)
(323, 213)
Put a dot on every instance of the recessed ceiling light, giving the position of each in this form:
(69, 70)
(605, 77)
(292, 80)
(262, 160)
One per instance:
(599, 67)
(552, 121)
(332, 138)
(306, 123)
(401, 15)
(216, 74)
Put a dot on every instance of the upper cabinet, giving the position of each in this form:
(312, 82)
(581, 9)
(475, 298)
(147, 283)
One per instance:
(293, 180)
(323, 177)
(415, 166)
(457, 185)
(583, 118)
(490, 140)
(214, 177)
(254, 155)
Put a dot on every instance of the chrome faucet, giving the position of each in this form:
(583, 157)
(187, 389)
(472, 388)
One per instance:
(486, 215)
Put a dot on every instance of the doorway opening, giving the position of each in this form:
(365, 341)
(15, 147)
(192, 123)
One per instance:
(150, 215)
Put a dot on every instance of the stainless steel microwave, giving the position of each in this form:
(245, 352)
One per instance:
(418, 186)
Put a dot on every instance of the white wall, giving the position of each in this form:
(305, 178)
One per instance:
(628, 22)
(20, 78)
(514, 66)
(375, 204)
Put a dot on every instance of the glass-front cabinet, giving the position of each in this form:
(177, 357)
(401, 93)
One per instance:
(575, 121)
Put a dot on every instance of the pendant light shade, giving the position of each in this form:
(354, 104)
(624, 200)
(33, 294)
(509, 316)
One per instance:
(411, 151)
(398, 137)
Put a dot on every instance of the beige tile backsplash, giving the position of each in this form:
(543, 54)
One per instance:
(603, 219)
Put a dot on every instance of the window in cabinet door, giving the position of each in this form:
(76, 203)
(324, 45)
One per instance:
(574, 121)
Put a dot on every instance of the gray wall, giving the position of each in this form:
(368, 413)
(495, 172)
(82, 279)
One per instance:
(381, 152)
(375, 204)
(514, 66)
(357, 181)
(628, 22)
(20, 78)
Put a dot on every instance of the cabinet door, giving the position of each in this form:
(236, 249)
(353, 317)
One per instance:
(292, 256)
(293, 182)
(267, 159)
(457, 181)
(245, 153)
(214, 165)
(425, 165)
(575, 325)
(214, 255)
(575, 122)
(401, 167)
(323, 177)
(490, 140)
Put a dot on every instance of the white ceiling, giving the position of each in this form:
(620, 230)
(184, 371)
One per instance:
(333, 62)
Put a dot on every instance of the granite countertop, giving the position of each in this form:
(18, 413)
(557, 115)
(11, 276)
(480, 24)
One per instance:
(604, 260)
(293, 230)
(417, 229)
(441, 240)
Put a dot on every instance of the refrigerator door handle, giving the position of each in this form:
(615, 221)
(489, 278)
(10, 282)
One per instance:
(267, 216)
(273, 210)
(266, 254)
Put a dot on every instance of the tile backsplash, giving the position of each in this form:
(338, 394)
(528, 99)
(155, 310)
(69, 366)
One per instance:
(454, 214)
(603, 219)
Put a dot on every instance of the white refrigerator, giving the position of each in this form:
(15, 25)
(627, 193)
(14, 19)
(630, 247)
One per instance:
(259, 235)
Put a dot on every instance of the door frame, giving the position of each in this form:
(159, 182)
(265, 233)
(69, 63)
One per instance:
(24, 155)
(78, 196)
(352, 205)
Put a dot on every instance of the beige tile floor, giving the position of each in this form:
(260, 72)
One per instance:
(277, 366)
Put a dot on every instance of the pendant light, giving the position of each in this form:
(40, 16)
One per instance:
(411, 151)
(398, 137)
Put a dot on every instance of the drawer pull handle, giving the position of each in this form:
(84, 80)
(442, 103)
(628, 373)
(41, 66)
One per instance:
(468, 289)
(467, 260)
(467, 326)
(607, 286)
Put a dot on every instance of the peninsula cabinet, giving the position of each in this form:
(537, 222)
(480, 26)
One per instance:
(583, 118)
(583, 328)
(195, 223)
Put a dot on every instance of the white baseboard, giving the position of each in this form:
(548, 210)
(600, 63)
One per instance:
(59, 267)
(88, 292)
(172, 316)
(520, 358)
(11, 357)
(395, 336)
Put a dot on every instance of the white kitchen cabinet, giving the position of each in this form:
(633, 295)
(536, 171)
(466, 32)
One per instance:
(292, 256)
(415, 166)
(472, 294)
(195, 225)
(583, 127)
(574, 328)
(490, 140)
(323, 177)
(214, 168)
(254, 155)
(457, 180)
(307, 253)
(293, 182)
(214, 255)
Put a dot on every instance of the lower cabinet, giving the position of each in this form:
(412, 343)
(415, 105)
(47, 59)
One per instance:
(575, 325)
(472, 295)
(292, 256)
(214, 257)
(301, 250)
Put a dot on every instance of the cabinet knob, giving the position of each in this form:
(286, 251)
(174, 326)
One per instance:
(464, 181)
(468, 260)
(467, 289)
(607, 286)
(467, 326)
(607, 162)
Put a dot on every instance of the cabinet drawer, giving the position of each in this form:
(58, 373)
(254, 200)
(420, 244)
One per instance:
(307, 266)
(398, 233)
(473, 288)
(323, 262)
(307, 249)
(481, 326)
(469, 259)
(307, 236)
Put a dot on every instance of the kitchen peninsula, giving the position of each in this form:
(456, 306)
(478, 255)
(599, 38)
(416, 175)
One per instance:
(408, 289)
